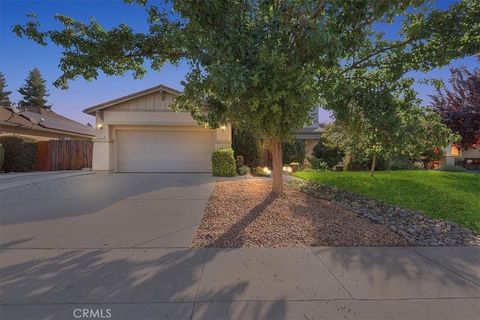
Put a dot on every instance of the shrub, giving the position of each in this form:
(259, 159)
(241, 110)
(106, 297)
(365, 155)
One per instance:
(451, 169)
(295, 166)
(246, 144)
(20, 154)
(331, 155)
(318, 164)
(401, 163)
(243, 170)
(2, 155)
(240, 162)
(259, 172)
(223, 163)
(293, 151)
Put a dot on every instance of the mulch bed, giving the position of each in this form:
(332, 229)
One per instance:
(243, 213)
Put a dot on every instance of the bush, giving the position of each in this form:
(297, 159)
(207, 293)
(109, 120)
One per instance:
(2, 155)
(451, 169)
(318, 164)
(246, 144)
(243, 170)
(331, 155)
(223, 163)
(295, 166)
(240, 162)
(20, 154)
(259, 172)
(401, 163)
(293, 151)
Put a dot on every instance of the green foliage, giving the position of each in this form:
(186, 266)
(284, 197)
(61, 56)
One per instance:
(327, 152)
(453, 196)
(20, 154)
(243, 170)
(34, 92)
(318, 164)
(451, 169)
(401, 163)
(223, 163)
(2, 156)
(293, 151)
(246, 144)
(259, 172)
(4, 95)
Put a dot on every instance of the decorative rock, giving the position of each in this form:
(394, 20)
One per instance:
(414, 226)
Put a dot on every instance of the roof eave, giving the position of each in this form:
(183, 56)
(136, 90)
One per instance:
(91, 110)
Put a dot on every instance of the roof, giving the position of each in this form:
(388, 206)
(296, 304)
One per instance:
(46, 119)
(91, 110)
(309, 133)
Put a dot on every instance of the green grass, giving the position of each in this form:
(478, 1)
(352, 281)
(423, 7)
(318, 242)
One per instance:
(453, 196)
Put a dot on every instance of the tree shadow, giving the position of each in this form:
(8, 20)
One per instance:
(165, 282)
(232, 237)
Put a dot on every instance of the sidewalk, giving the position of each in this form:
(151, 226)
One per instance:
(245, 283)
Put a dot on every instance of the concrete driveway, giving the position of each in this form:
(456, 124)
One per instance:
(105, 211)
(116, 247)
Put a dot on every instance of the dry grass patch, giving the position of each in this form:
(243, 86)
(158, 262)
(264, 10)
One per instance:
(242, 213)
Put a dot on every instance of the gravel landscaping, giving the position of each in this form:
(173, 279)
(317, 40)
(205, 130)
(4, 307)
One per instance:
(413, 226)
(242, 213)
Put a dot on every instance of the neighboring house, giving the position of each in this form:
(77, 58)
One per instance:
(140, 133)
(311, 134)
(41, 125)
(454, 156)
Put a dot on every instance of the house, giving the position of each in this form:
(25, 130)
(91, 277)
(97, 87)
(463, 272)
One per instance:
(311, 134)
(454, 156)
(140, 133)
(41, 125)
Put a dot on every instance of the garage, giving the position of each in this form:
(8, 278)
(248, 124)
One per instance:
(186, 150)
(140, 132)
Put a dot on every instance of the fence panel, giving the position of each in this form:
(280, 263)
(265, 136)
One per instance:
(64, 155)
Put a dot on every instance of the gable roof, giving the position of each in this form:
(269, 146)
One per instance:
(91, 110)
(46, 119)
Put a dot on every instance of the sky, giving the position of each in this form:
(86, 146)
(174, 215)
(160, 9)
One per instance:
(18, 56)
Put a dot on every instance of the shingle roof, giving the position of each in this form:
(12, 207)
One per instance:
(46, 119)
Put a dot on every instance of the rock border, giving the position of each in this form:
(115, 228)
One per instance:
(417, 228)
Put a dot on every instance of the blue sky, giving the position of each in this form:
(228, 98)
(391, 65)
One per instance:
(18, 56)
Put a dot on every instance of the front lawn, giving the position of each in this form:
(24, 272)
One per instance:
(453, 196)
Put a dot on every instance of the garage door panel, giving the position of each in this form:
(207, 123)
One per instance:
(164, 151)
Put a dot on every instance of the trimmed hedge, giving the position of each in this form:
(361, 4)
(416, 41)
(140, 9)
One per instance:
(223, 163)
(2, 155)
(20, 154)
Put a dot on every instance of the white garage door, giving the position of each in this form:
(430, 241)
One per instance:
(164, 151)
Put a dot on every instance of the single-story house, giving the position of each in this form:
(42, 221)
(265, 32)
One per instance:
(467, 158)
(311, 134)
(140, 133)
(41, 125)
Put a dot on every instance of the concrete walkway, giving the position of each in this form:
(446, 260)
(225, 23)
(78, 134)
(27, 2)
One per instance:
(254, 283)
(119, 245)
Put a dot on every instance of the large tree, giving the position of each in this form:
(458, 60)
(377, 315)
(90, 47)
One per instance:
(34, 92)
(459, 106)
(264, 65)
(4, 94)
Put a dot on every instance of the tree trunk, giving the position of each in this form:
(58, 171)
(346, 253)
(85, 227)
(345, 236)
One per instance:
(372, 168)
(277, 164)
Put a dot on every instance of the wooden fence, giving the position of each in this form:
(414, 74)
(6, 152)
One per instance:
(64, 155)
